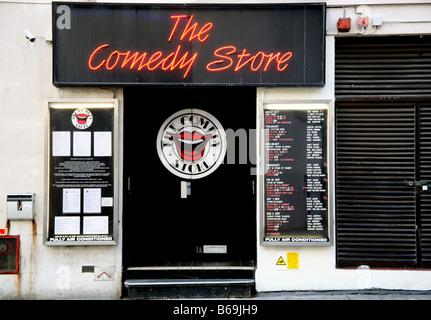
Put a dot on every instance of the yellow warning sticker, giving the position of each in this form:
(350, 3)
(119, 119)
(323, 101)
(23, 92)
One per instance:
(292, 260)
(280, 262)
(286, 260)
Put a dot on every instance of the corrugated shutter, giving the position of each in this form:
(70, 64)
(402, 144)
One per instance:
(383, 142)
(425, 176)
(376, 210)
(383, 67)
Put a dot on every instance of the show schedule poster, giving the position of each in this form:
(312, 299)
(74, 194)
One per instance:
(82, 170)
(296, 175)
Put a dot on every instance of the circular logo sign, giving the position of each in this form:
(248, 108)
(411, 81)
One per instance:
(191, 143)
(82, 118)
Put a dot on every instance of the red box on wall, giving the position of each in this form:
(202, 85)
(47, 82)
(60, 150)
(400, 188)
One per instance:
(343, 24)
(9, 254)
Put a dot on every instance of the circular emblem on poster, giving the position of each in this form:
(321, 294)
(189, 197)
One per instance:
(82, 118)
(191, 143)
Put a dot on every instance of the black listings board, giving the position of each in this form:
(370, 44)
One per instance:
(296, 175)
(82, 165)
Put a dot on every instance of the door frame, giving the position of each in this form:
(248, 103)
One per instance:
(127, 185)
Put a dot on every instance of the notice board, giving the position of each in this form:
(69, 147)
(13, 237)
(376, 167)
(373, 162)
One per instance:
(188, 44)
(82, 204)
(295, 177)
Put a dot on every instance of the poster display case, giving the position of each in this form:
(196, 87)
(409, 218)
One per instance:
(294, 180)
(82, 171)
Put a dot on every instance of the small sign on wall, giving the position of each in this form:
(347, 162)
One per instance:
(104, 273)
(286, 260)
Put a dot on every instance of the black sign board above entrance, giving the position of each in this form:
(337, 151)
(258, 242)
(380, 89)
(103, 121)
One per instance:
(261, 45)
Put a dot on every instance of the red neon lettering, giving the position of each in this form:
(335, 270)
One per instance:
(156, 56)
(90, 64)
(240, 56)
(286, 57)
(216, 53)
(188, 29)
(190, 63)
(225, 57)
(271, 57)
(135, 60)
(261, 61)
(176, 25)
(172, 65)
(155, 61)
(206, 28)
(201, 35)
(116, 61)
(255, 61)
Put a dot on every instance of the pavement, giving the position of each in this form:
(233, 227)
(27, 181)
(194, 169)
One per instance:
(372, 294)
(346, 295)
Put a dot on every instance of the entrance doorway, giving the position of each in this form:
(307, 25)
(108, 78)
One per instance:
(173, 220)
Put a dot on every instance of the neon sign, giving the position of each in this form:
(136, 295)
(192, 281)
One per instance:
(262, 60)
(206, 28)
(142, 60)
(226, 57)
(206, 44)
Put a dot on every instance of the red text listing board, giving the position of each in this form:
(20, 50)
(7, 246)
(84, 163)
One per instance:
(296, 175)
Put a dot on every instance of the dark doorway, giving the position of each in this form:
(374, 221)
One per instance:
(161, 226)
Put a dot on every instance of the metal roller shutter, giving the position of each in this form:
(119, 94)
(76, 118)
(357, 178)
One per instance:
(392, 67)
(383, 151)
(425, 176)
(376, 210)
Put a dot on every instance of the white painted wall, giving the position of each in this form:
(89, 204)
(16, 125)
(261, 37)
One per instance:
(25, 83)
(55, 272)
(397, 19)
(314, 261)
(317, 270)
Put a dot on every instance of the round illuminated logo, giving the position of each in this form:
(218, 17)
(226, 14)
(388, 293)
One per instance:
(82, 118)
(191, 143)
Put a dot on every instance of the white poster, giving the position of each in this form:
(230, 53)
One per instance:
(102, 144)
(93, 200)
(71, 200)
(96, 225)
(66, 225)
(107, 202)
(81, 144)
(61, 143)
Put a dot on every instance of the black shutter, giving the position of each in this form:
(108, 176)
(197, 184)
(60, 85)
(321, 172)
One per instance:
(376, 210)
(391, 67)
(425, 178)
(383, 144)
